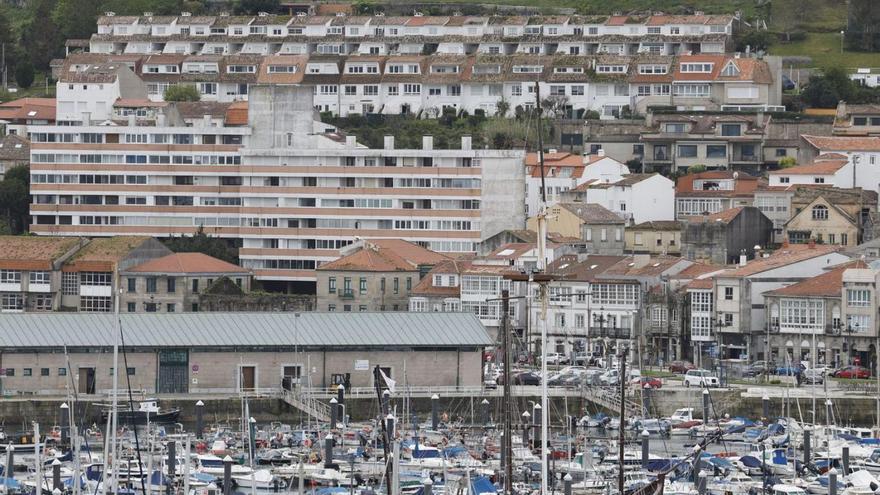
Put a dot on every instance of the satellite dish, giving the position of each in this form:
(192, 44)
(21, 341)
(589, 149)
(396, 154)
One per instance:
(735, 175)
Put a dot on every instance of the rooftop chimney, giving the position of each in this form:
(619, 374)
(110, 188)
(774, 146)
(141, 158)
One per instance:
(601, 152)
(841, 109)
(743, 259)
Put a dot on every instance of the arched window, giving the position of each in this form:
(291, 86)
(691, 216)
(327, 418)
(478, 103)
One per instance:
(820, 212)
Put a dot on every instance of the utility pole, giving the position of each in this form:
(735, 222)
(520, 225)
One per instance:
(620, 435)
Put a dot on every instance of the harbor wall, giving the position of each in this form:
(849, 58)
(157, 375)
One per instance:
(18, 414)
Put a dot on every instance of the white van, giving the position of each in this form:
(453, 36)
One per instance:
(700, 378)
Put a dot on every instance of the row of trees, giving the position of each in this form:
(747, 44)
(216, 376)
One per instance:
(831, 85)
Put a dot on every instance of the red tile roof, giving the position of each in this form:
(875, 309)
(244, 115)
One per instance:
(744, 184)
(824, 167)
(828, 284)
(786, 255)
(724, 216)
(842, 143)
(28, 109)
(385, 255)
(186, 263)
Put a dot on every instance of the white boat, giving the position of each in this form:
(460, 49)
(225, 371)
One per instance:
(261, 479)
(328, 476)
(213, 465)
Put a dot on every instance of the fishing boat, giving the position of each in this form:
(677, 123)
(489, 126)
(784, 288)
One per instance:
(148, 410)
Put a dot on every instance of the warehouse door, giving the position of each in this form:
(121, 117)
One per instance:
(173, 372)
(248, 378)
(86, 380)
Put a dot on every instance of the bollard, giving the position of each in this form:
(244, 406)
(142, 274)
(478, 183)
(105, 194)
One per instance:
(645, 448)
(328, 451)
(386, 401)
(705, 407)
(701, 484)
(765, 408)
(844, 459)
(172, 459)
(427, 486)
(832, 481)
(333, 413)
(435, 410)
(276, 484)
(566, 484)
(485, 407)
(227, 475)
(56, 475)
(807, 446)
(200, 419)
(829, 413)
(340, 394)
(65, 424)
(526, 428)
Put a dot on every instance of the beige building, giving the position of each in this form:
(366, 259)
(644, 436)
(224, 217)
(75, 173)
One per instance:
(173, 283)
(374, 275)
(658, 237)
(824, 222)
(233, 352)
(600, 228)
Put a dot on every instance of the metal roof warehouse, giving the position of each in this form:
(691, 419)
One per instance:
(237, 330)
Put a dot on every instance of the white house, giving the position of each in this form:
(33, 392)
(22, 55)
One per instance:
(636, 197)
(566, 171)
(829, 169)
(862, 151)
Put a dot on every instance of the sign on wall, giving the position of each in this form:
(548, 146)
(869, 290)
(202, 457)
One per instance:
(362, 365)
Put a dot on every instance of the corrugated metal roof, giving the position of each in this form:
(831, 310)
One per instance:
(29, 330)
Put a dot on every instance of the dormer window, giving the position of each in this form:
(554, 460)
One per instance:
(676, 128)
(731, 130)
(533, 30)
(730, 70)
(696, 68)
(820, 212)
(611, 69)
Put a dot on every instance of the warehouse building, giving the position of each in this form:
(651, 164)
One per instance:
(177, 353)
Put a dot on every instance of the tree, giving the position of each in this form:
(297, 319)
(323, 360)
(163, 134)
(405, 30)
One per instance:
(24, 73)
(252, 7)
(826, 89)
(76, 18)
(15, 198)
(695, 169)
(556, 105)
(200, 242)
(787, 162)
(753, 39)
(863, 18)
(502, 107)
(40, 38)
(182, 92)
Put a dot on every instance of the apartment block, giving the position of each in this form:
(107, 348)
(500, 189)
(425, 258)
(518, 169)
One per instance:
(264, 175)
(424, 64)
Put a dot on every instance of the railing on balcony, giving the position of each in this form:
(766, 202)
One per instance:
(346, 294)
(832, 329)
(610, 333)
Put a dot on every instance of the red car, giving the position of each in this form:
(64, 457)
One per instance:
(852, 372)
(649, 381)
(681, 367)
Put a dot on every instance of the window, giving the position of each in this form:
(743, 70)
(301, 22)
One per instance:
(10, 371)
(96, 278)
(731, 130)
(687, 151)
(858, 298)
(170, 308)
(658, 315)
(696, 67)
(131, 307)
(61, 372)
(331, 285)
(129, 371)
(195, 285)
(10, 276)
(716, 151)
(362, 285)
(171, 282)
(676, 128)
(27, 372)
(728, 293)
(856, 323)
(362, 308)
(70, 283)
(780, 152)
(132, 284)
(95, 304)
(396, 285)
(44, 371)
(579, 321)
(39, 277)
(820, 212)
(802, 313)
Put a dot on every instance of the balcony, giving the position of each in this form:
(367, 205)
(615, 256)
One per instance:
(346, 294)
(832, 329)
(610, 333)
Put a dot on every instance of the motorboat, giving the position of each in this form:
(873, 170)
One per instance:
(213, 465)
(261, 479)
(148, 411)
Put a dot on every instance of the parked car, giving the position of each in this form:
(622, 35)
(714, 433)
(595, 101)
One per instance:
(853, 372)
(826, 370)
(814, 376)
(557, 358)
(681, 366)
(610, 378)
(787, 83)
(527, 378)
(755, 369)
(790, 369)
(649, 381)
(700, 378)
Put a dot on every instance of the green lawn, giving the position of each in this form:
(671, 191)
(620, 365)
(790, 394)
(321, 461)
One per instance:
(603, 7)
(824, 49)
(660, 374)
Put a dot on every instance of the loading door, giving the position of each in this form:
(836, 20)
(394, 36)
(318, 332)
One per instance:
(87, 380)
(173, 372)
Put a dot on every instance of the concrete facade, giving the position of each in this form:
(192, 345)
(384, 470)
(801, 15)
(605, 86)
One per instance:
(721, 240)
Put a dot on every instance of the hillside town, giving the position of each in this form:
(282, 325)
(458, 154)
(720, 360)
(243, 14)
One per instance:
(534, 237)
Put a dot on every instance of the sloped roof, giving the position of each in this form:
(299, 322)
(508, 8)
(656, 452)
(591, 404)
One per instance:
(267, 329)
(15, 148)
(385, 255)
(786, 255)
(108, 249)
(843, 143)
(819, 167)
(28, 109)
(426, 286)
(828, 284)
(592, 213)
(724, 216)
(657, 225)
(188, 263)
(569, 268)
(37, 253)
(744, 184)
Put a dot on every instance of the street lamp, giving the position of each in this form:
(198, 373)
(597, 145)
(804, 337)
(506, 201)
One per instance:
(841, 40)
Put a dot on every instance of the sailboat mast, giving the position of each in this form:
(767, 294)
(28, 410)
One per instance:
(542, 266)
(507, 441)
(622, 429)
(114, 400)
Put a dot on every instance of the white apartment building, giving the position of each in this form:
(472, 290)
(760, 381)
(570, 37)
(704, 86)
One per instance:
(273, 181)
(424, 64)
